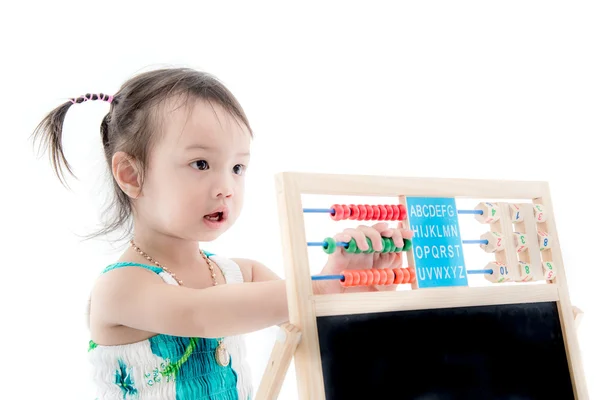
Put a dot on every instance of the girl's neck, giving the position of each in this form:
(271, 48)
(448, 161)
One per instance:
(173, 253)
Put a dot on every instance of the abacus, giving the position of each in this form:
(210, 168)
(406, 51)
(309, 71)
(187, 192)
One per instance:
(526, 268)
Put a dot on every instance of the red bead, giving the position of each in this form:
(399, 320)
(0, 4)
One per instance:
(390, 212)
(362, 212)
(403, 212)
(354, 213)
(338, 212)
(369, 216)
(382, 212)
(376, 212)
(346, 211)
(396, 213)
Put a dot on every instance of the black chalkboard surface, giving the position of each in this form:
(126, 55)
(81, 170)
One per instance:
(508, 352)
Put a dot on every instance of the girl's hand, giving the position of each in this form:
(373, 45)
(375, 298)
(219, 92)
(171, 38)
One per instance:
(341, 260)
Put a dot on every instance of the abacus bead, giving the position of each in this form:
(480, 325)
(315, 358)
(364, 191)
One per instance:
(369, 277)
(376, 276)
(520, 241)
(495, 242)
(490, 213)
(403, 212)
(329, 245)
(544, 240)
(338, 212)
(362, 212)
(515, 213)
(408, 275)
(525, 273)
(538, 212)
(347, 278)
(369, 216)
(352, 248)
(398, 276)
(407, 245)
(413, 274)
(396, 212)
(387, 245)
(499, 272)
(354, 212)
(376, 212)
(346, 211)
(549, 271)
(382, 212)
(390, 276)
(390, 212)
(363, 277)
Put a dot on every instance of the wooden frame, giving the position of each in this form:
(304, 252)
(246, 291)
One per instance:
(305, 307)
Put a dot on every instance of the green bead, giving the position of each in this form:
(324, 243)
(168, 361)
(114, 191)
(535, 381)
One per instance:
(329, 246)
(407, 245)
(387, 245)
(352, 247)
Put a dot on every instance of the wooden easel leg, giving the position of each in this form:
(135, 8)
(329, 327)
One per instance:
(288, 339)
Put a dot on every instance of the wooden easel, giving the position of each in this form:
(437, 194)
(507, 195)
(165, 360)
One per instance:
(305, 307)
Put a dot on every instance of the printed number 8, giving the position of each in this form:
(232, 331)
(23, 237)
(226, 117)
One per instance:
(545, 241)
(527, 269)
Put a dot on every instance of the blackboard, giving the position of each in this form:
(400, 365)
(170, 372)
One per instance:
(508, 352)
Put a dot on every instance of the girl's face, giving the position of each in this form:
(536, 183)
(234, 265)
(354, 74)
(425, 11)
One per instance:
(194, 186)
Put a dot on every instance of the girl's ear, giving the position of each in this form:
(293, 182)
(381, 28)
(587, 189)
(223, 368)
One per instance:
(127, 173)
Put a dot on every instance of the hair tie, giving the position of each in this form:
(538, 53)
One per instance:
(88, 96)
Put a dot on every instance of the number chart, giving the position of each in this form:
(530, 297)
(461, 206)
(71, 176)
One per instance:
(436, 332)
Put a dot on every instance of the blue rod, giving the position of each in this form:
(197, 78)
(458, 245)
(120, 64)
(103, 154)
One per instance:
(323, 244)
(480, 271)
(345, 244)
(475, 241)
(341, 277)
(331, 211)
(318, 210)
(479, 212)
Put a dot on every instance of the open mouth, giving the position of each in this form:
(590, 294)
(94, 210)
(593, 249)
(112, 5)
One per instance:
(215, 217)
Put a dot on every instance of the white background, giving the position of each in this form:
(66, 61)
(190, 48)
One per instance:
(446, 89)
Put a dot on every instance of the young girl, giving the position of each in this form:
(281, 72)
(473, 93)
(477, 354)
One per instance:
(166, 318)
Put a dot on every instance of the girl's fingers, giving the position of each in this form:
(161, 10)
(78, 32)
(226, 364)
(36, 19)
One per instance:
(380, 227)
(342, 237)
(406, 233)
(359, 237)
(372, 234)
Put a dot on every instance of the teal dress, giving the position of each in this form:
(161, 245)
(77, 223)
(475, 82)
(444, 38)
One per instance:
(171, 367)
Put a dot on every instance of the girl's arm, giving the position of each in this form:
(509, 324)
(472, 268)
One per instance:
(140, 299)
(254, 271)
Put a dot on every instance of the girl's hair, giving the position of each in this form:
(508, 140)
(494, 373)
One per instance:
(132, 123)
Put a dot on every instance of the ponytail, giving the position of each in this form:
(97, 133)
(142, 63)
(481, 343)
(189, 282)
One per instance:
(50, 129)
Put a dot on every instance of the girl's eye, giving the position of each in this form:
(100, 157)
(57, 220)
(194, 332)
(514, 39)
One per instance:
(200, 164)
(239, 169)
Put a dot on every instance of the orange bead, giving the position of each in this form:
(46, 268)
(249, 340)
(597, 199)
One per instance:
(390, 276)
(363, 277)
(347, 282)
(370, 277)
(376, 276)
(413, 274)
(399, 276)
